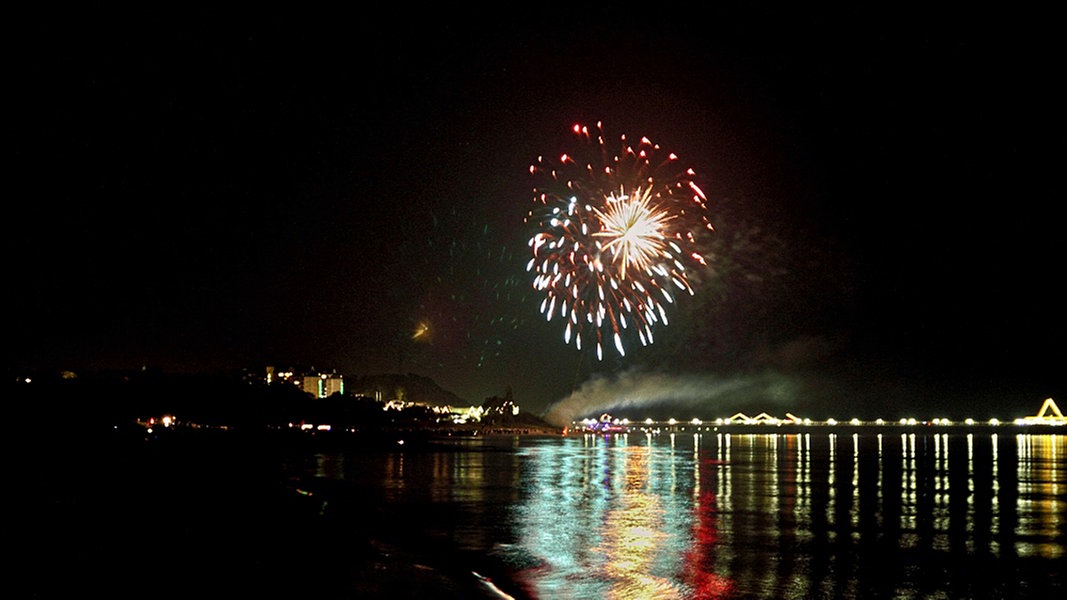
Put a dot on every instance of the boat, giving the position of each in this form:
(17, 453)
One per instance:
(607, 425)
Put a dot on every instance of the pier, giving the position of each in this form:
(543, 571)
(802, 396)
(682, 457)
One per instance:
(1048, 419)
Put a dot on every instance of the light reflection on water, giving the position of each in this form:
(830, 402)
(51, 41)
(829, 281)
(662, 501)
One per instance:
(602, 514)
(806, 515)
(716, 515)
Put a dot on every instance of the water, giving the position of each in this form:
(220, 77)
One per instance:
(819, 515)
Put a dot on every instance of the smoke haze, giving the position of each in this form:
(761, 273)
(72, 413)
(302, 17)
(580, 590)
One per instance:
(685, 396)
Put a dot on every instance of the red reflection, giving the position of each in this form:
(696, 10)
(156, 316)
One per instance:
(699, 559)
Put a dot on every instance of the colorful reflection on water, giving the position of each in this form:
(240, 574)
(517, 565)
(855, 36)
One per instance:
(710, 515)
(799, 516)
(717, 515)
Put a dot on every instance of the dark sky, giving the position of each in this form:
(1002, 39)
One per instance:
(198, 190)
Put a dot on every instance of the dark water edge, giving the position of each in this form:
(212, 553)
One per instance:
(209, 515)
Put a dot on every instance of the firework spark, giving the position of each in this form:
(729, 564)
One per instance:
(422, 331)
(616, 234)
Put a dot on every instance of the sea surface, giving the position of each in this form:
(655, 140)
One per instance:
(924, 514)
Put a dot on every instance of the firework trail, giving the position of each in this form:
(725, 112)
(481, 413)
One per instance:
(617, 238)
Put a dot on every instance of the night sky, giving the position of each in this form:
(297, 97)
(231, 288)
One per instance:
(204, 190)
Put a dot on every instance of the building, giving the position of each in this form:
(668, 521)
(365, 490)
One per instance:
(323, 385)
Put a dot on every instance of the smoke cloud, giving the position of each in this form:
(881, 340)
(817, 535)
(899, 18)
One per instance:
(687, 396)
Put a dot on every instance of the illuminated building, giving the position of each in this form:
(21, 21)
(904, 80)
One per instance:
(324, 385)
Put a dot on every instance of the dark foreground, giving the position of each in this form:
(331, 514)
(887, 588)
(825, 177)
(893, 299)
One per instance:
(120, 516)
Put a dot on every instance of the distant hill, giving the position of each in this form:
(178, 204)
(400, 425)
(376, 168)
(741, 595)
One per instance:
(409, 388)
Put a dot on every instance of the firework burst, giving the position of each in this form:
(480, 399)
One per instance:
(616, 237)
